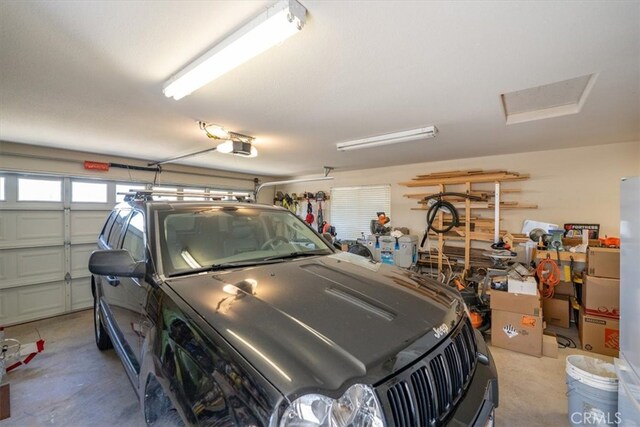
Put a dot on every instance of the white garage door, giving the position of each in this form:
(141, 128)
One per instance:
(48, 228)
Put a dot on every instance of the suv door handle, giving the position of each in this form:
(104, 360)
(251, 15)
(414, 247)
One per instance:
(113, 281)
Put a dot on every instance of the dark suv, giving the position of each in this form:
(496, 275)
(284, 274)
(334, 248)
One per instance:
(240, 314)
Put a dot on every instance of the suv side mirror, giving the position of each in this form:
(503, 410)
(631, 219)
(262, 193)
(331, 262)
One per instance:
(116, 262)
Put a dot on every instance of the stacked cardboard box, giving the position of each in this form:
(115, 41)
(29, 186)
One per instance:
(599, 316)
(603, 262)
(557, 311)
(516, 322)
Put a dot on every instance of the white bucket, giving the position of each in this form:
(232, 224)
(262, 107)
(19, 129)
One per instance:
(592, 390)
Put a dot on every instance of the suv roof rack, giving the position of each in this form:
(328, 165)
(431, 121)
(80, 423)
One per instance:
(147, 195)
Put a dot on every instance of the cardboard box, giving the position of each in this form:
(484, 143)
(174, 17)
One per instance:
(564, 288)
(517, 332)
(556, 311)
(603, 262)
(599, 334)
(601, 297)
(529, 286)
(579, 230)
(549, 345)
(516, 303)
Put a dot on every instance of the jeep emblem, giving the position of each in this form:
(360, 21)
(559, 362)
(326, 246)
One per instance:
(441, 330)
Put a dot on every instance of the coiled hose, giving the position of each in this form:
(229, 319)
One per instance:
(432, 213)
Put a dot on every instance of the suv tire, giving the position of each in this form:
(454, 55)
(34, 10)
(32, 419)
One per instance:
(103, 341)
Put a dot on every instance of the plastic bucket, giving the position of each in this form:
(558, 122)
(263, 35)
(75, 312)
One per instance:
(592, 391)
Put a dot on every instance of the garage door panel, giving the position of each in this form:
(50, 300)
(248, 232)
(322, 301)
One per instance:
(3, 306)
(86, 225)
(7, 229)
(19, 229)
(27, 303)
(29, 266)
(81, 296)
(4, 266)
(39, 226)
(8, 273)
(80, 259)
(41, 300)
(42, 263)
(3, 227)
(45, 248)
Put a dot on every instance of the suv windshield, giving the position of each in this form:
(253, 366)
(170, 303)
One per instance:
(197, 238)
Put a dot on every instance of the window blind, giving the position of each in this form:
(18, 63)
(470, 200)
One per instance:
(353, 208)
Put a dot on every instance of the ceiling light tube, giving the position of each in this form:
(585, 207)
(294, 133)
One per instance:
(388, 139)
(276, 24)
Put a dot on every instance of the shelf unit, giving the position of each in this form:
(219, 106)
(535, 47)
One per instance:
(494, 202)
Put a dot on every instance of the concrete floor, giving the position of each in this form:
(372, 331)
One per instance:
(72, 383)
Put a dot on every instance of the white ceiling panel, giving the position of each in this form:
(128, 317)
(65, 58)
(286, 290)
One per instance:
(89, 76)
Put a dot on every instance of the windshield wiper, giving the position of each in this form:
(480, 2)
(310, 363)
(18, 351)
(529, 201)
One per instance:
(223, 266)
(298, 254)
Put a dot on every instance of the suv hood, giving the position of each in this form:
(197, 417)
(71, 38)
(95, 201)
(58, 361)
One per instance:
(321, 324)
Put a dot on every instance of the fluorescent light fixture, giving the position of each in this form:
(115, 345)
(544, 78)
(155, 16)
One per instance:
(238, 148)
(388, 139)
(276, 24)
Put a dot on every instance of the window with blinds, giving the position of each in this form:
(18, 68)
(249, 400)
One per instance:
(353, 208)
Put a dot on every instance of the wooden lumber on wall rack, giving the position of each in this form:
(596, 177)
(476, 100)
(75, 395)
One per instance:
(481, 236)
(456, 257)
(479, 193)
(476, 257)
(455, 173)
(470, 228)
(491, 177)
(483, 205)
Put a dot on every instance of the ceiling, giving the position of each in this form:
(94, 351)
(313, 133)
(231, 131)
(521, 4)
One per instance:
(88, 76)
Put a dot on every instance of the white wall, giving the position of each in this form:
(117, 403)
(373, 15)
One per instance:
(579, 185)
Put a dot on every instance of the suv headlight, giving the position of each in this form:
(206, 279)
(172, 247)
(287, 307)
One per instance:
(358, 406)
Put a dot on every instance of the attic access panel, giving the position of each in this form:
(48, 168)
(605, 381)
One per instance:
(551, 100)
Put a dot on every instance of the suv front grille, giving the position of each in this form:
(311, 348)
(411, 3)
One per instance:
(425, 394)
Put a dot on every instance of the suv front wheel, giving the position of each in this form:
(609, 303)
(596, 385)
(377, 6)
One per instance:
(103, 341)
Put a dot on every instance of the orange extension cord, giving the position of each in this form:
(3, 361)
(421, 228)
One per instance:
(549, 274)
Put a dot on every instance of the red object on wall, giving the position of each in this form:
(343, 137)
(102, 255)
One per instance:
(104, 167)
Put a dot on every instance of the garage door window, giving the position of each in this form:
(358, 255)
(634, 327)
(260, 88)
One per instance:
(39, 190)
(89, 192)
(353, 208)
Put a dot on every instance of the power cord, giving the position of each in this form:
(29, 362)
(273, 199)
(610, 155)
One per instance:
(566, 342)
(549, 274)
